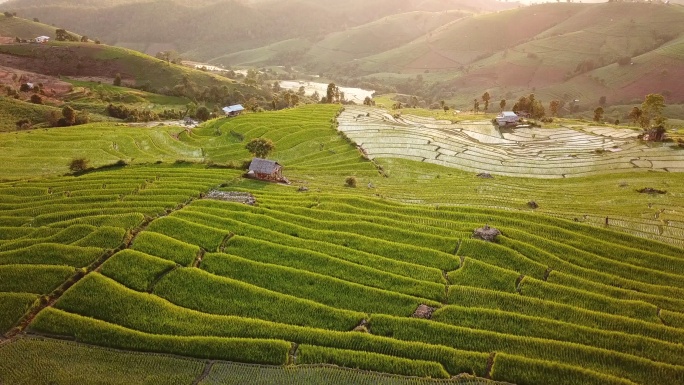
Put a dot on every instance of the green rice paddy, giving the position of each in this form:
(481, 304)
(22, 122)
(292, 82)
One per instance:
(145, 280)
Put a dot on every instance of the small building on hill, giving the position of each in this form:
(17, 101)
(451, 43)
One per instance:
(507, 117)
(265, 170)
(42, 39)
(233, 110)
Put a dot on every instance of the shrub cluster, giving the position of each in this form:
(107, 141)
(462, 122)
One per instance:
(131, 114)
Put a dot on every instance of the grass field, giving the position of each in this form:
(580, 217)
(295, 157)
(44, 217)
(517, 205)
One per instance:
(133, 263)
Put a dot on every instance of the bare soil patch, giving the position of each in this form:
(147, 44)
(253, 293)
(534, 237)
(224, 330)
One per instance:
(232, 196)
(423, 311)
(52, 86)
(486, 233)
(66, 61)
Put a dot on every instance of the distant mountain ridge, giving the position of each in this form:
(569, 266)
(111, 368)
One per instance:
(559, 50)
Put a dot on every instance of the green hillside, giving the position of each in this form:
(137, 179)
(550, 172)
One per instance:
(140, 258)
(236, 25)
(388, 33)
(348, 45)
(24, 29)
(460, 48)
(88, 59)
(402, 247)
(463, 42)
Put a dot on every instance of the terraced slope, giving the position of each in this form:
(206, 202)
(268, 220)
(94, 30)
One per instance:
(53, 361)
(315, 278)
(303, 138)
(55, 230)
(26, 155)
(139, 259)
(525, 152)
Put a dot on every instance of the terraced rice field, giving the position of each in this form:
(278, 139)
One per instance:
(57, 362)
(144, 274)
(522, 152)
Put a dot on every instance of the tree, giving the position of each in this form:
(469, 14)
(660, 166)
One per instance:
(485, 98)
(602, 101)
(84, 39)
(598, 114)
(532, 106)
(23, 124)
(652, 109)
(367, 101)
(36, 99)
(62, 35)
(350, 181)
(553, 107)
(69, 115)
(260, 147)
(635, 115)
(82, 118)
(476, 106)
(78, 165)
(331, 91)
(117, 80)
(502, 104)
(203, 113)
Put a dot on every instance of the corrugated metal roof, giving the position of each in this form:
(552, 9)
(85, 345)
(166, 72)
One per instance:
(263, 166)
(233, 108)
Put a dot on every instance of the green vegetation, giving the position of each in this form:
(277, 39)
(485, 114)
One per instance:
(61, 362)
(12, 307)
(373, 361)
(141, 257)
(91, 331)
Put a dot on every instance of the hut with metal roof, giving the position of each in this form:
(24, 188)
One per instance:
(233, 110)
(265, 169)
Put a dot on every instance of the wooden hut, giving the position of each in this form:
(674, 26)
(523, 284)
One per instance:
(266, 170)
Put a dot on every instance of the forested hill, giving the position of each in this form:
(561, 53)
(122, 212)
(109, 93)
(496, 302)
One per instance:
(210, 28)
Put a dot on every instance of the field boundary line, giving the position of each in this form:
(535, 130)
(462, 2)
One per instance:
(200, 257)
(224, 243)
(292, 354)
(458, 247)
(205, 373)
(490, 365)
(161, 276)
(658, 314)
(518, 283)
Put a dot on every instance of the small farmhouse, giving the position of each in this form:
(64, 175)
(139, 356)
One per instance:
(506, 118)
(265, 170)
(233, 110)
(42, 39)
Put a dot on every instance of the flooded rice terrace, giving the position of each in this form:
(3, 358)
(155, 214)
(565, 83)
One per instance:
(479, 146)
